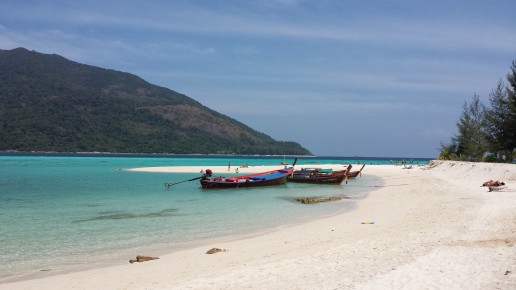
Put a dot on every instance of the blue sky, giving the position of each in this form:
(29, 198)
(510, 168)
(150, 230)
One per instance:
(346, 78)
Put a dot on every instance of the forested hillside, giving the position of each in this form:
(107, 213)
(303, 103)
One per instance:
(49, 103)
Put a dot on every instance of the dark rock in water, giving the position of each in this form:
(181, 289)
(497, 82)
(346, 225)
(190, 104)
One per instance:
(318, 199)
(116, 215)
(143, 259)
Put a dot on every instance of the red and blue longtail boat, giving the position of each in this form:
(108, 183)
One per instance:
(274, 177)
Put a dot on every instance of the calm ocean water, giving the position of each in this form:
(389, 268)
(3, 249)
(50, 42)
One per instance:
(61, 212)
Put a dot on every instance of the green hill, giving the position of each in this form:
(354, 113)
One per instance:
(49, 103)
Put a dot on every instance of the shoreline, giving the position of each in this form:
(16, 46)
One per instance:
(434, 228)
(233, 169)
(114, 259)
(119, 258)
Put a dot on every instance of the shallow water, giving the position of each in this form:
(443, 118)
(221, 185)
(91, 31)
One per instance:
(62, 213)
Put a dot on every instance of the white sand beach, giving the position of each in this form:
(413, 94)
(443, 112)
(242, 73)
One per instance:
(434, 227)
(222, 170)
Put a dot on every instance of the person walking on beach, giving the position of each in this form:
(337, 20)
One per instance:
(229, 166)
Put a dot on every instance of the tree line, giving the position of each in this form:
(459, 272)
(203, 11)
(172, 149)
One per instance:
(487, 133)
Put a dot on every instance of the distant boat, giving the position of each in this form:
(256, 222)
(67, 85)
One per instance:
(318, 175)
(274, 177)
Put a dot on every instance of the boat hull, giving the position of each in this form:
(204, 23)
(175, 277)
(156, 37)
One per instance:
(353, 174)
(207, 184)
(276, 177)
(319, 176)
(319, 179)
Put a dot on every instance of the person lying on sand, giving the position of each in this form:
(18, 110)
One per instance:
(493, 183)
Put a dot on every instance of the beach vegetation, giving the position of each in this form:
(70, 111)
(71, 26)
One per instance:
(486, 133)
(498, 128)
(511, 78)
(471, 139)
(448, 151)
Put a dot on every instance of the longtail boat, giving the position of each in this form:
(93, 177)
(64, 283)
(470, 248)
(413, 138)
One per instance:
(274, 177)
(318, 175)
(353, 174)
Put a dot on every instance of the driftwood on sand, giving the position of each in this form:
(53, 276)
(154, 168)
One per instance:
(142, 259)
(215, 250)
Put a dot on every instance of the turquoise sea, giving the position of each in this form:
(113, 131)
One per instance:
(67, 212)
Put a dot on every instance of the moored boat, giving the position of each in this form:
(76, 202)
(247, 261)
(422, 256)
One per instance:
(318, 175)
(353, 174)
(274, 177)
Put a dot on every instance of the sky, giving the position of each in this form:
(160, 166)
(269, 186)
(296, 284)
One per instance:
(380, 78)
